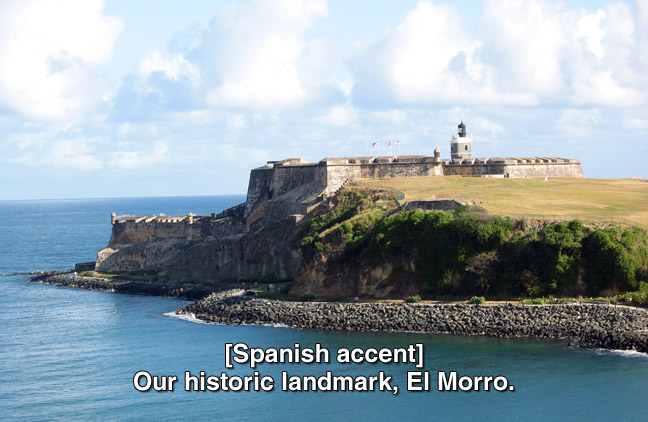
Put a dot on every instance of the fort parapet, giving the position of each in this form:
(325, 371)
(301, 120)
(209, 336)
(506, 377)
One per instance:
(132, 230)
(294, 187)
(517, 167)
(254, 240)
(283, 188)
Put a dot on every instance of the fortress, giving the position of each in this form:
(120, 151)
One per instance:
(288, 190)
(304, 181)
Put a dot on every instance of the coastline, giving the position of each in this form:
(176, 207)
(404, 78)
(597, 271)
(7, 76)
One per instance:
(187, 291)
(585, 325)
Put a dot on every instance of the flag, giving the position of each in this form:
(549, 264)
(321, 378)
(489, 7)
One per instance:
(375, 144)
(397, 143)
(387, 143)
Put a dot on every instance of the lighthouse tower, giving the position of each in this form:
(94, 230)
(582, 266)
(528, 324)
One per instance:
(460, 144)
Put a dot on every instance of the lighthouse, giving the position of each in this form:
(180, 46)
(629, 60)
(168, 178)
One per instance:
(460, 144)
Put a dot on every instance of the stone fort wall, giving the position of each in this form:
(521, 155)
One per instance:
(298, 182)
(294, 187)
(517, 167)
(288, 187)
(140, 230)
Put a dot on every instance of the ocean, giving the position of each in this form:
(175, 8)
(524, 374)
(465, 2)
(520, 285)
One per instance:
(70, 354)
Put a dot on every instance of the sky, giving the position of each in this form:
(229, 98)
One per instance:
(118, 98)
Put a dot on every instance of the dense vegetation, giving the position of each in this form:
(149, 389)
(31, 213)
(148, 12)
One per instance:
(467, 253)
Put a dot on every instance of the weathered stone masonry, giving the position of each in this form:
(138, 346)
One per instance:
(233, 245)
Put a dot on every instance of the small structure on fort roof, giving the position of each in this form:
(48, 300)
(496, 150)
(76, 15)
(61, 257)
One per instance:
(461, 144)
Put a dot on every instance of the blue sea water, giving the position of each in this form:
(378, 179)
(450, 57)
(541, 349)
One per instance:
(68, 354)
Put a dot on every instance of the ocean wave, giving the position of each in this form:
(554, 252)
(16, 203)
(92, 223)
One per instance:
(622, 353)
(191, 317)
(188, 317)
(275, 325)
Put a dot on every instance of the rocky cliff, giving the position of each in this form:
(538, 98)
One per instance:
(267, 253)
(257, 244)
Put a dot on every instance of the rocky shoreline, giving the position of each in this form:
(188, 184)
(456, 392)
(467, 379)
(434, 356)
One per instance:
(585, 325)
(188, 291)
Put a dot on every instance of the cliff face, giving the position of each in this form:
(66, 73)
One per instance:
(268, 254)
(252, 241)
(331, 268)
(263, 245)
(207, 249)
(323, 276)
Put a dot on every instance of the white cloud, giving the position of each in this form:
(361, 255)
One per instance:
(578, 122)
(423, 47)
(253, 51)
(395, 116)
(131, 160)
(235, 122)
(73, 153)
(174, 67)
(428, 58)
(38, 151)
(526, 39)
(338, 115)
(48, 53)
(255, 56)
(240, 156)
(486, 127)
(635, 120)
(562, 55)
(529, 53)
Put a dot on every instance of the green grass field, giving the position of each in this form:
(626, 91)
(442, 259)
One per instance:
(620, 201)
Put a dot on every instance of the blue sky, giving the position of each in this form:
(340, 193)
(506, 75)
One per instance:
(151, 98)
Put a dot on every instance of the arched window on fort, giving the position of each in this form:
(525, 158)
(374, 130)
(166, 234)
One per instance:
(466, 147)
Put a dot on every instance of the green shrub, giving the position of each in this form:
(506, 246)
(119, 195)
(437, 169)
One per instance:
(639, 297)
(535, 301)
(445, 243)
(413, 299)
(349, 203)
(477, 300)
(468, 252)
(87, 274)
(541, 263)
(615, 257)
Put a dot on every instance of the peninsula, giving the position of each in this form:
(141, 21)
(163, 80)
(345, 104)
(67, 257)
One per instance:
(341, 230)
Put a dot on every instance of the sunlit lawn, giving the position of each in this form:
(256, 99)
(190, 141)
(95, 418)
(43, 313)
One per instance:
(619, 200)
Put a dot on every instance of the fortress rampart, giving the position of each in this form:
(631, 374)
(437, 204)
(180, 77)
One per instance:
(254, 240)
(140, 230)
(517, 167)
(292, 186)
(295, 187)
(283, 188)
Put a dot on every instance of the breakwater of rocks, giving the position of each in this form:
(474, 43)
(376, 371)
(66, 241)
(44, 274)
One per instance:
(186, 291)
(586, 325)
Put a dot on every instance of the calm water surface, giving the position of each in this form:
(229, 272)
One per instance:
(68, 354)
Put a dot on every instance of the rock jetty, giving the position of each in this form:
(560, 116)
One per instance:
(188, 291)
(586, 325)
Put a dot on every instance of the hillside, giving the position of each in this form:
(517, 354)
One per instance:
(364, 246)
(622, 201)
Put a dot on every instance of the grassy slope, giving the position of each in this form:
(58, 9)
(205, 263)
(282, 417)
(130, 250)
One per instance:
(625, 201)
